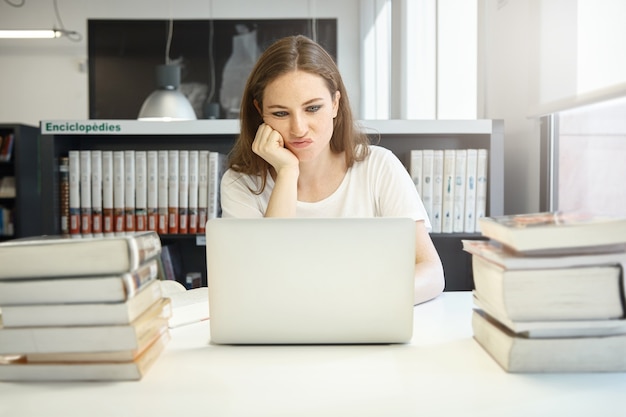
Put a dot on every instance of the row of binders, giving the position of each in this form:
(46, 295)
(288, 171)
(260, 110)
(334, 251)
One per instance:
(89, 308)
(453, 186)
(549, 292)
(113, 192)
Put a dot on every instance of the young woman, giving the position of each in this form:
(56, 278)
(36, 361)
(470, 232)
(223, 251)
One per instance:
(300, 154)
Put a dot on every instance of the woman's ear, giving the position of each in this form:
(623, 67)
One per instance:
(258, 107)
(336, 103)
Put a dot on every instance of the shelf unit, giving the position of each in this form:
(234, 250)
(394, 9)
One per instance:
(23, 165)
(400, 136)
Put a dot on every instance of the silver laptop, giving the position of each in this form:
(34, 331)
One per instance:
(310, 281)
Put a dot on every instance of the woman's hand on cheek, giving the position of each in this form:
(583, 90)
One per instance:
(269, 145)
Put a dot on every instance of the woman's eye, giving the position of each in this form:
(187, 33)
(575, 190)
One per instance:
(280, 113)
(313, 109)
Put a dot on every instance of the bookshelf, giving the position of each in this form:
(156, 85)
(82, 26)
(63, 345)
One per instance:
(400, 136)
(21, 163)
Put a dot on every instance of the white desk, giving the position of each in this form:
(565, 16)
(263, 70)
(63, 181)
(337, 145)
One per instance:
(443, 372)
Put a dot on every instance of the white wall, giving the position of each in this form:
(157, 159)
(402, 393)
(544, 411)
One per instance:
(43, 79)
(46, 79)
(506, 44)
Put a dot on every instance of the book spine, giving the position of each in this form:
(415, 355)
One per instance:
(64, 194)
(138, 279)
(163, 194)
(107, 193)
(193, 192)
(470, 191)
(428, 156)
(129, 191)
(96, 193)
(85, 192)
(416, 162)
(203, 189)
(173, 192)
(6, 147)
(217, 166)
(482, 164)
(460, 173)
(141, 191)
(153, 189)
(435, 220)
(183, 191)
(74, 181)
(447, 217)
(118, 192)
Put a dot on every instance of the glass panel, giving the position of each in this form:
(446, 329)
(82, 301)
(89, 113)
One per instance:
(592, 158)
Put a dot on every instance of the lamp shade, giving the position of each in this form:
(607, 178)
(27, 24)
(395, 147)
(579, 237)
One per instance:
(166, 102)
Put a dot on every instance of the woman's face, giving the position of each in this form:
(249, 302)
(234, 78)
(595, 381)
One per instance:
(299, 106)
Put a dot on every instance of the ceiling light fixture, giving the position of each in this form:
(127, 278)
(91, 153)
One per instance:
(40, 33)
(35, 34)
(167, 103)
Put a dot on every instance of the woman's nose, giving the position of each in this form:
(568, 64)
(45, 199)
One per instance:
(298, 126)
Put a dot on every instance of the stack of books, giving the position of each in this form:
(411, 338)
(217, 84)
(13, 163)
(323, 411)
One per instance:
(81, 308)
(549, 292)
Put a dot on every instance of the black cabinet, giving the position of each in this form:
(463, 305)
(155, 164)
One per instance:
(20, 181)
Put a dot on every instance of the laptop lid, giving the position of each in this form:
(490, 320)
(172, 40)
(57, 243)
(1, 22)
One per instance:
(310, 281)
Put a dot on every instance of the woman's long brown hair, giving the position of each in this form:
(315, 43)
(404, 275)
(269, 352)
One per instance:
(285, 55)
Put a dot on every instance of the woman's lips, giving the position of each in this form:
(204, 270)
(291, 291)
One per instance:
(300, 143)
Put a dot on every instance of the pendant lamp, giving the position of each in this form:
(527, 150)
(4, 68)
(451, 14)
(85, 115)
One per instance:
(167, 102)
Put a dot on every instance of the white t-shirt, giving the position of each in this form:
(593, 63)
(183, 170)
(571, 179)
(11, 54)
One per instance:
(379, 186)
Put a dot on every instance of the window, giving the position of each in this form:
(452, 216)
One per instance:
(589, 158)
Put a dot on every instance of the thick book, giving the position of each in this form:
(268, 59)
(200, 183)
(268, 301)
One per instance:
(20, 369)
(518, 354)
(70, 339)
(500, 255)
(81, 314)
(553, 328)
(556, 231)
(78, 289)
(151, 336)
(570, 293)
(48, 256)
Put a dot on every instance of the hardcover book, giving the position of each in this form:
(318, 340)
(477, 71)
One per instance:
(516, 353)
(78, 289)
(81, 314)
(70, 339)
(65, 256)
(21, 369)
(557, 231)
